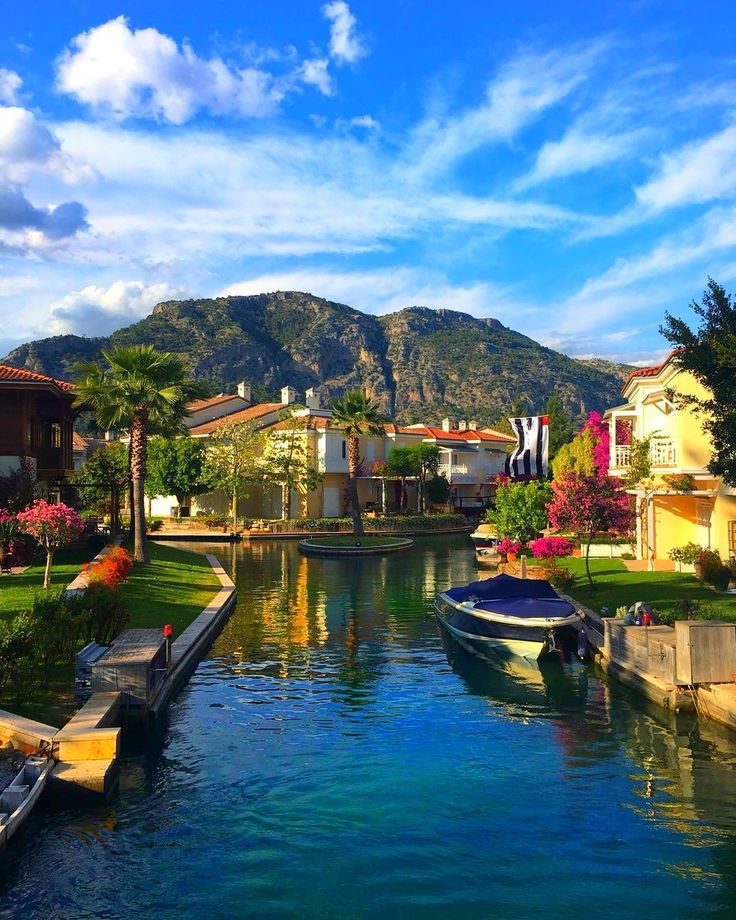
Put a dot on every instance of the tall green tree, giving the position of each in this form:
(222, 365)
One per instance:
(176, 466)
(521, 509)
(709, 353)
(106, 475)
(287, 461)
(402, 463)
(145, 391)
(234, 460)
(358, 416)
(561, 425)
(428, 461)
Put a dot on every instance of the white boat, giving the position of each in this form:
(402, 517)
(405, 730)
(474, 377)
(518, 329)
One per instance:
(484, 537)
(17, 799)
(516, 617)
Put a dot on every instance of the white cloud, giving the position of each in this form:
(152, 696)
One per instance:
(144, 74)
(96, 310)
(23, 138)
(346, 45)
(523, 89)
(10, 84)
(315, 73)
(578, 151)
(696, 173)
(358, 121)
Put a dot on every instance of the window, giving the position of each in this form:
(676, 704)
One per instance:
(344, 450)
(55, 433)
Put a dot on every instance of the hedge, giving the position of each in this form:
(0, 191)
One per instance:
(398, 523)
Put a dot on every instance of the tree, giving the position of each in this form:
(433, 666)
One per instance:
(438, 490)
(402, 463)
(17, 487)
(708, 353)
(233, 460)
(105, 474)
(428, 461)
(52, 526)
(357, 415)
(286, 460)
(145, 391)
(521, 509)
(561, 425)
(588, 452)
(176, 466)
(587, 505)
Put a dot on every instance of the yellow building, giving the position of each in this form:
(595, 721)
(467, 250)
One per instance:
(684, 502)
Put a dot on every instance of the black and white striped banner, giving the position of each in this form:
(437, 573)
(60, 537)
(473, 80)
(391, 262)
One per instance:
(530, 457)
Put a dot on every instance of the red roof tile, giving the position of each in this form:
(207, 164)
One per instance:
(22, 375)
(649, 371)
(200, 404)
(243, 415)
(78, 442)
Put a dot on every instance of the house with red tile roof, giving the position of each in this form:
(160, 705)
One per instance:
(685, 502)
(36, 419)
(471, 458)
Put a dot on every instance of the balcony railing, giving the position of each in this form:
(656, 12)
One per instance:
(662, 453)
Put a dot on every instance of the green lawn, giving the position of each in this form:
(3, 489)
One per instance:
(173, 588)
(614, 587)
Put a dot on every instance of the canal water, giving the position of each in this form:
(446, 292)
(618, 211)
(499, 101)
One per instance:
(337, 757)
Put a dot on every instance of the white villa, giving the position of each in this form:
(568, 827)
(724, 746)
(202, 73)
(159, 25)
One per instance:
(470, 459)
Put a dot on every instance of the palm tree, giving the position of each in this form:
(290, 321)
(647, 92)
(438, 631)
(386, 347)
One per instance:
(145, 391)
(357, 416)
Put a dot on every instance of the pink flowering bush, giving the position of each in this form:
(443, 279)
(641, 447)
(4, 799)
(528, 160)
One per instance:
(51, 526)
(551, 547)
(602, 449)
(508, 546)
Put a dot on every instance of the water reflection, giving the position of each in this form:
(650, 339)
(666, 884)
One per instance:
(340, 755)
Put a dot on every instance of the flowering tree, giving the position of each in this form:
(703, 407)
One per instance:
(52, 526)
(587, 505)
(588, 452)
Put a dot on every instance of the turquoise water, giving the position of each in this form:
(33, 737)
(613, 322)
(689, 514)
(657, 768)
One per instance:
(335, 757)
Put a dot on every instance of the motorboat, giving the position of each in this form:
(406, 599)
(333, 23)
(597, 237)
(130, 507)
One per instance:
(485, 537)
(512, 617)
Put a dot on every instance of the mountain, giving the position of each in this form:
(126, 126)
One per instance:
(619, 370)
(421, 364)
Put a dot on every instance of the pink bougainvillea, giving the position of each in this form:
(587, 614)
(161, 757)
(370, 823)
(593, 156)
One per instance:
(508, 546)
(602, 435)
(551, 547)
(52, 526)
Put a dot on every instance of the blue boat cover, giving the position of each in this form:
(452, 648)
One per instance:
(547, 607)
(503, 586)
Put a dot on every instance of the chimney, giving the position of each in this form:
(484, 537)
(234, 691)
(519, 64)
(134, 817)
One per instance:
(447, 424)
(244, 391)
(288, 395)
(473, 426)
(311, 399)
(462, 425)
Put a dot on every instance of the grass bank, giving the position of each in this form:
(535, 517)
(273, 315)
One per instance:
(614, 586)
(17, 591)
(173, 588)
(351, 540)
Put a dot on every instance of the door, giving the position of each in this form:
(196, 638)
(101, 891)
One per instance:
(331, 501)
(703, 512)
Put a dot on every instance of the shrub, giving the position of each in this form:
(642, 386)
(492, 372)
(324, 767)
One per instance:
(508, 546)
(17, 650)
(561, 578)
(551, 547)
(61, 619)
(680, 482)
(113, 568)
(685, 608)
(106, 613)
(687, 554)
(710, 563)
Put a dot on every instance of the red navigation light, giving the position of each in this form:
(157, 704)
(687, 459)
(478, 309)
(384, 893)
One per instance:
(168, 631)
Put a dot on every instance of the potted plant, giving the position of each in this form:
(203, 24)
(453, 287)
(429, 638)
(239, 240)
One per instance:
(509, 548)
(687, 555)
(708, 562)
(720, 577)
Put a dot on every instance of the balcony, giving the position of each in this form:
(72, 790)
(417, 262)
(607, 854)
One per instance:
(662, 453)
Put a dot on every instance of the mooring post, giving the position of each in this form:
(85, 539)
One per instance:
(168, 633)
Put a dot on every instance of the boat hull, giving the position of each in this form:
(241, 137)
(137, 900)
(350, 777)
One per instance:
(507, 639)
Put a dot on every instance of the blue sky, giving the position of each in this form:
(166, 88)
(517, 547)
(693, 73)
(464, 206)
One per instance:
(567, 167)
